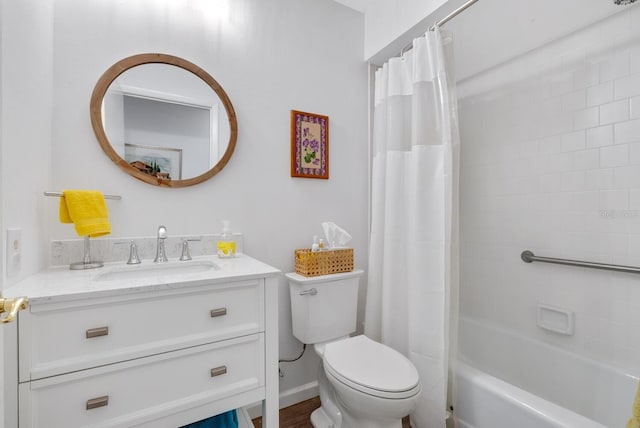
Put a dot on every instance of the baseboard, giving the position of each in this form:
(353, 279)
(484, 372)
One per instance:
(298, 394)
(289, 397)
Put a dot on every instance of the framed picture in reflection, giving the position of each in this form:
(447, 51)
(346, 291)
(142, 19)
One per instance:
(161, 162)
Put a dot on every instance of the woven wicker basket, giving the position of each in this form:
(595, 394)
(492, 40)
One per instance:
(309, 263)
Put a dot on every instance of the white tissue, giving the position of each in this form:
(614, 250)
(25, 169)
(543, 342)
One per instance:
(336, 236)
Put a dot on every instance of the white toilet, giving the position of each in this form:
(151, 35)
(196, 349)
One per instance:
(362, 383)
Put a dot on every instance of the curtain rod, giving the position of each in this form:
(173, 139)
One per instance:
(452, 15)
(443, 21)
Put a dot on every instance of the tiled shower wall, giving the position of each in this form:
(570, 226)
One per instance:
(550, 162)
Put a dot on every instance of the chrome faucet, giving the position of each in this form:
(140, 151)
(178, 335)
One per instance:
(161, 255)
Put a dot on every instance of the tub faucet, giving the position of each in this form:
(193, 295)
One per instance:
(161, 255)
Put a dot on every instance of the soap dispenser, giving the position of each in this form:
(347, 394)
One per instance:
(226, 243)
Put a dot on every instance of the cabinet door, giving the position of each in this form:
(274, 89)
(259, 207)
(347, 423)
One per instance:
(148, 389)
(61, 338)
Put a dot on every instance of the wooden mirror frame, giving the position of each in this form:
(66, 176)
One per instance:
(125, 64)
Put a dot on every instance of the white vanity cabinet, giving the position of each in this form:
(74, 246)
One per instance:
(158, 355)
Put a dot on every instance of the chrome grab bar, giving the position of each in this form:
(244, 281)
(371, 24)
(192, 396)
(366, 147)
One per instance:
(528, 257)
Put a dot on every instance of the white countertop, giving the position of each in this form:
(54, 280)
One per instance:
(62, 284)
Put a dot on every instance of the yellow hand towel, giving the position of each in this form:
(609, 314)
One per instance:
(86, 210)
(634, 422)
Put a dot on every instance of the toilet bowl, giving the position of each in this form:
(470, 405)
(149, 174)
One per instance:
(362, 383)
(375, 386)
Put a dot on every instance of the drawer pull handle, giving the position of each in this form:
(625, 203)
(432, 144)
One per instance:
(218, 371)
(97, 332)
(94, 403)
(218, 312)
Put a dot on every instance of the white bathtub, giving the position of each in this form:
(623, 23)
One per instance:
(555, 388)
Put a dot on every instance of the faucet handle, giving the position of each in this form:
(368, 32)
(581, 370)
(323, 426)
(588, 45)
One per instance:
(133, 252)
(186, 254)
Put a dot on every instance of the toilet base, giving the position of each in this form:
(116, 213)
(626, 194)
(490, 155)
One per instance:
(320, 419)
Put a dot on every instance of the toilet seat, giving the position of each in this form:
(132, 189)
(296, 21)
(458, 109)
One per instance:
(371, 367)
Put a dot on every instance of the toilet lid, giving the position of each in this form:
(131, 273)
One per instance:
(371, 367)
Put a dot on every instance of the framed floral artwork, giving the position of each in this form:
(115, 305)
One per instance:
(309, 145)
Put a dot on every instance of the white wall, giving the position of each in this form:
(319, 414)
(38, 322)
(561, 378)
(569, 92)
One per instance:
(270, 57)
(25, 144)
(26, 125)
(391, 25)
(551, 163)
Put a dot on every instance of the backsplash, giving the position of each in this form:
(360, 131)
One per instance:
(65, 252)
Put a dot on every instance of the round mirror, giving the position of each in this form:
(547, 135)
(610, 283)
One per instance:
(163, 120)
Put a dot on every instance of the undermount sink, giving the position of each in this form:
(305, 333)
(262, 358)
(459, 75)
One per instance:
(156, 270)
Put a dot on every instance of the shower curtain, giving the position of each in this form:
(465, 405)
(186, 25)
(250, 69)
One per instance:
(413, 263)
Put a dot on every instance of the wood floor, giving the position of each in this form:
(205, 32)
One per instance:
(297, 416)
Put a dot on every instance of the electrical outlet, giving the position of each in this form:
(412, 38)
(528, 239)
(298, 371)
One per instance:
(14, 251)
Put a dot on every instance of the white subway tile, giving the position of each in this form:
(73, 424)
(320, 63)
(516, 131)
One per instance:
(552, 106)
(552, 144)
(603, 178)
(626, 176)
(610, 200)
(612, 156)
(573, 141)
(587, 118)
(587, 75)
(586, 159)
(529, 148)
(634, 199)
(585, 201)
(550, 183)
(634, 108)
(600, 94)
(627, 86)
(600, 136)
(560, 162)
(635, 60)
(573, 181)
(627, 132)
(541, 164)
(573, 101)
(562, 84)
(617, 111)
(560, 123)
(560, 202)
(528, 185)
(634, 153)
(596, 179)
(615, 67)
(614, 243)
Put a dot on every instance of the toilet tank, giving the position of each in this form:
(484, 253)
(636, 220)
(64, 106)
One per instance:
(329, 312)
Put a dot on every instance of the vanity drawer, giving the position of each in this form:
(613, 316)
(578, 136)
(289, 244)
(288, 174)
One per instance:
(61, 338)
(140, 391)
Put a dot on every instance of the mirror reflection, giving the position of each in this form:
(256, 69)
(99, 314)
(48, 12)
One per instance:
(162, 122)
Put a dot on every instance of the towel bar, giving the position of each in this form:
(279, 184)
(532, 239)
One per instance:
(59, 194)
(87, 262)
(528, 257)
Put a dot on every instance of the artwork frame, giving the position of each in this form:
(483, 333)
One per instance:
(160, 162)
(309, 145)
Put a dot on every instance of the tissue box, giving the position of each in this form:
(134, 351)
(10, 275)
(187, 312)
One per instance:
(310, 263)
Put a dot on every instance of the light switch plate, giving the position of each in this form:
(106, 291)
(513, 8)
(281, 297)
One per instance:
(14, 251)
